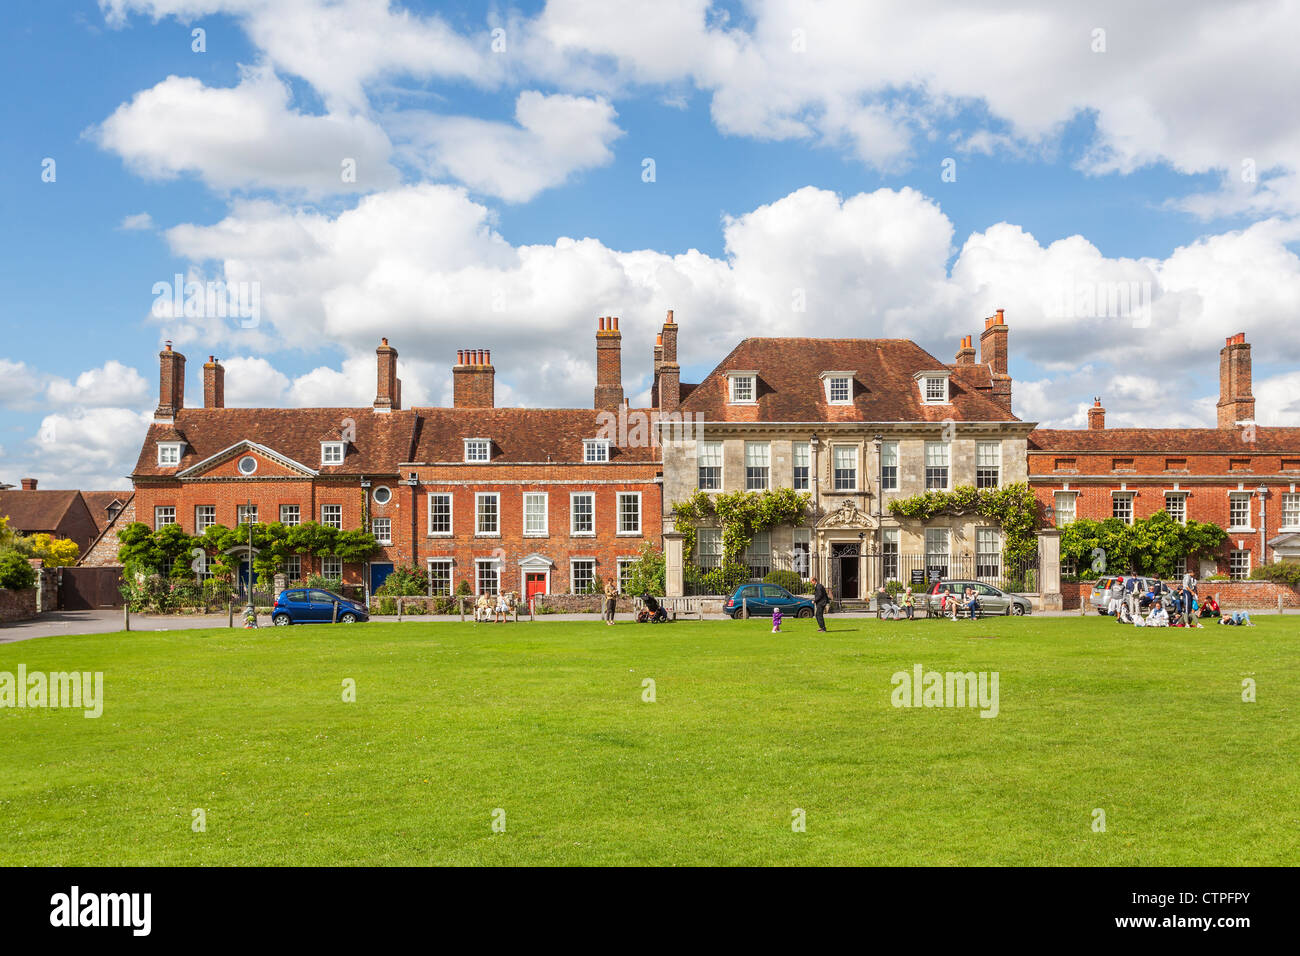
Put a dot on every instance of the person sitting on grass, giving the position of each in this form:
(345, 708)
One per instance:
(1158, 617)
(1124, 616)
(1211, 607)
(1236, 619)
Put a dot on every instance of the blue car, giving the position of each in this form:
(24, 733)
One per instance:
(762, 598)
(314, 606)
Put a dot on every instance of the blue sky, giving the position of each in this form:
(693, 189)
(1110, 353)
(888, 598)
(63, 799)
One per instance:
(796, 146)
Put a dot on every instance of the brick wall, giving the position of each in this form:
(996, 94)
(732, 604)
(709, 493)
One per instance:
(17, 605)
(103, 554)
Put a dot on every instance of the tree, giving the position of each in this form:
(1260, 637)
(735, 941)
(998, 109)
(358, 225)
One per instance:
(55, 552)
(16, 573)
(646, 573)
(1151, 545)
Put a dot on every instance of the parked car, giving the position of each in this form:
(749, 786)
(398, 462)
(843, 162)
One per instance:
(993, 601)
(314, 606)
(762, 598)
(1099, 597)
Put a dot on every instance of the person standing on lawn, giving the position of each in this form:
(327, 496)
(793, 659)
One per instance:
(821, 598)
(611, 601)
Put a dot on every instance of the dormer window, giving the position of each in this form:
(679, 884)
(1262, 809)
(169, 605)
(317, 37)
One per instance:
(478, 449)
(169, 454)
(595, 450)
(839, 387)
(331, 452)
(743, 387)
(934, 387)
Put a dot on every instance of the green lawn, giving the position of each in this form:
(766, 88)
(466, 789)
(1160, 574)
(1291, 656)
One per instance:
(546, 721)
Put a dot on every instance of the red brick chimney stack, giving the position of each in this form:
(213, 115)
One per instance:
(28, 484)
(1236, 403)
(171, 383)
(669, 393)
(1096, 416)
(609, 365)
(214, 384)
(993, 353)
(386, 399)
(473, 379)
(966, 351)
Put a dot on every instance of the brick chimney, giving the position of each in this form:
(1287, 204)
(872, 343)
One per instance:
(966, 351)
(609, 365)
(386, 395)
(214, 384)
(28, 484)
(1236, 403)
(473, 379)
(171, 383)
(1096, 416)
(668, 395)
(993, 353)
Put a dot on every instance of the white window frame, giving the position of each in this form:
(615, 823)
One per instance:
(388, 495)
(763, 451)
(699, 456)
(996, 466)
(946, 466)
(996, 551)
(328, 564)
(385, 522)
(451, 515)
(835, 478)
(620, 564)
(801, 449)
(479, 564)
(332, 452)
(573, 497)
(573, 588)
(243, 511)
(1294, 509)
(945, 554)
(1181, 496)
(441, 563)
(924, 380)
(479, 498)
(734, 380)
(595, 451)
(889, 450)
(1115, 499)
(161, 512)
(199, 524)
(1233, 573)
(293, 567)
(545, 531)
(618, 515)
(285, 514)
(169, 454)
(328, 523)
(1233, 498)
(475, 444)
(829, 382)
(1073, 510)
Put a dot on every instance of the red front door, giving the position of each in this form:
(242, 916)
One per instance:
(535, 584)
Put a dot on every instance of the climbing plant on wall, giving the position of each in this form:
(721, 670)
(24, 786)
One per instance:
(741, 514)
(1013, 506)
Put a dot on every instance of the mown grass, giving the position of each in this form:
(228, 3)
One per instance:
(546, 721)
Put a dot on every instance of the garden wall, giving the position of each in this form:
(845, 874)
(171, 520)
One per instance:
(17, 605)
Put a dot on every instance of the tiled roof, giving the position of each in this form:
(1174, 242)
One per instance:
(1228, 441)
(382, 440)
(98, 502)
(519, 434)
(790, 388)
(33, 511)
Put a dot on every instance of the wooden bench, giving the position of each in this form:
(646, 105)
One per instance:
(683, 607)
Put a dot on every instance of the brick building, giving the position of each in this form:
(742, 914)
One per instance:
(80, 516)
(525, 500)
(856, 423)
(1239, 476)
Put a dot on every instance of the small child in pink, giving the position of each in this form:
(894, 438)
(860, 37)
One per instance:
(776, 620)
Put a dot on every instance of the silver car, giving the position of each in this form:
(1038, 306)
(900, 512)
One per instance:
(993, 601)
(1099, 596)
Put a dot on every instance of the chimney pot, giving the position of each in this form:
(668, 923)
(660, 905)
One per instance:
(609, 366)
(669, 320)
(474, 380)
(1096, 416)
(28, 484)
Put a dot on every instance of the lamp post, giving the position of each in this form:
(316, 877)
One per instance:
(878, 443)
(815, 478)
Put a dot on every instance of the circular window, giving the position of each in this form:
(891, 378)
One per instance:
(383, 495)
(247, 465)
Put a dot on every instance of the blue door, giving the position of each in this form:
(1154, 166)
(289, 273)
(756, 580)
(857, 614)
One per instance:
(245, 577)
(378, 575)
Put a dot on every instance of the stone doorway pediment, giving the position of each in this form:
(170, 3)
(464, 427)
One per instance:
(847, 516)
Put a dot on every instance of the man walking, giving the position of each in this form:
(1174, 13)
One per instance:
(820, 599)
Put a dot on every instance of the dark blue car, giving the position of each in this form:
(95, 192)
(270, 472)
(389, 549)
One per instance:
(315, 606)
(762, 598)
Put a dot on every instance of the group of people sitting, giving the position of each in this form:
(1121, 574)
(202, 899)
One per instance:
(1179, 606)
(892, 610)
(496, 608)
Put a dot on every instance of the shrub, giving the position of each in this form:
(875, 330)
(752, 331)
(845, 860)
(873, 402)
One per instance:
(16, 573)
(790, 580)
(406, 581)
(386, 606)
(1283, 572)
(726, 579)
